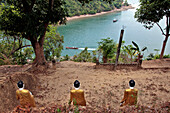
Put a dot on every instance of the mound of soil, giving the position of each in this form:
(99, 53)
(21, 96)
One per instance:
(8, 87)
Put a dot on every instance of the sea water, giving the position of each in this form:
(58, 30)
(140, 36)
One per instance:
(87, 32)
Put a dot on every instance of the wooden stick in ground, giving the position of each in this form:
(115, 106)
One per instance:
(118, 49)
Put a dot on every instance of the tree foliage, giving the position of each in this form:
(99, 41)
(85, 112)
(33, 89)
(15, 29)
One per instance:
(53, 43)
(84, 56)
(108, 48)
(96, 6)
(11, 49)
(136, 48)
(125, 3)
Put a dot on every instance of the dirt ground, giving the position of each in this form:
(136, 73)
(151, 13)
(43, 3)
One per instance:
(101, 86)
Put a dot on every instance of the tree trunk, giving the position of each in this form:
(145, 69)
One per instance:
(39, 50)
(104, 59)
(39, 54)
(166, 37)
(163, 47)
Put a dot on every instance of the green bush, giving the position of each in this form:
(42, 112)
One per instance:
(156, 56)
(94, 59)
(166, 56)
(66, 58)
(84, 56)
(151, 56)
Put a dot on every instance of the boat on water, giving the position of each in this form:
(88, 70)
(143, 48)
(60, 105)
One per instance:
(114, 20)
(71, 47)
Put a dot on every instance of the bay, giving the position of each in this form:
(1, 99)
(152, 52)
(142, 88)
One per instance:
(86, 32)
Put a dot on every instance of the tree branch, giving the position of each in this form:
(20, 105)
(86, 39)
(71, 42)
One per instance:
(160, 28)
(22, 47)
(18, 49)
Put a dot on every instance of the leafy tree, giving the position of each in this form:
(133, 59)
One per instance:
(108, 48)
(53, 43)
(30, 20)
(151, 12)
(10, 45)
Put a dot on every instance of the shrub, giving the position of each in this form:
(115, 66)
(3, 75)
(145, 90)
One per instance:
(84, 56)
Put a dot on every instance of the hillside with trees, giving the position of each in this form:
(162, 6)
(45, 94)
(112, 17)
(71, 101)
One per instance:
(75, 8)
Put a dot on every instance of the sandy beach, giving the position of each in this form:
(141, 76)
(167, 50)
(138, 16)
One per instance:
(89, 15)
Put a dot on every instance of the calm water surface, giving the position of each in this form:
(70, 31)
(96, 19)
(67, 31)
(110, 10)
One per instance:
(86, 32)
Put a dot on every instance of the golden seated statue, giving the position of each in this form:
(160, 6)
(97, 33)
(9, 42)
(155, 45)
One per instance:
(130, 95)
(77, 95)
(24, 96)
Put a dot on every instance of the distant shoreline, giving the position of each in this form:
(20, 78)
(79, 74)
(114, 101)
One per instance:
(123, 8)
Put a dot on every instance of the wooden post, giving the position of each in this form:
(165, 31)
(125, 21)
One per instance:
(118, 49)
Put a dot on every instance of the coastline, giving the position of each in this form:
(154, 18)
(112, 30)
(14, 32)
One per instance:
(123, 8)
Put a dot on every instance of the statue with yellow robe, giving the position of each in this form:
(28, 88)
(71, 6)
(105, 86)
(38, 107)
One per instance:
(77, 95)
(24, 96)
(130, 95)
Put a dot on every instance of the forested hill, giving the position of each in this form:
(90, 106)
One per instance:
(75, 8)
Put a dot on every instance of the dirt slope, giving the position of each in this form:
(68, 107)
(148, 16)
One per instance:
(101, 86)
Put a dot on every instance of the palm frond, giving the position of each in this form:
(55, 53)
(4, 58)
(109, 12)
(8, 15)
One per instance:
(126, 47)
(134, 53)
(133, 48)
(144, 48)
(137, 47)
